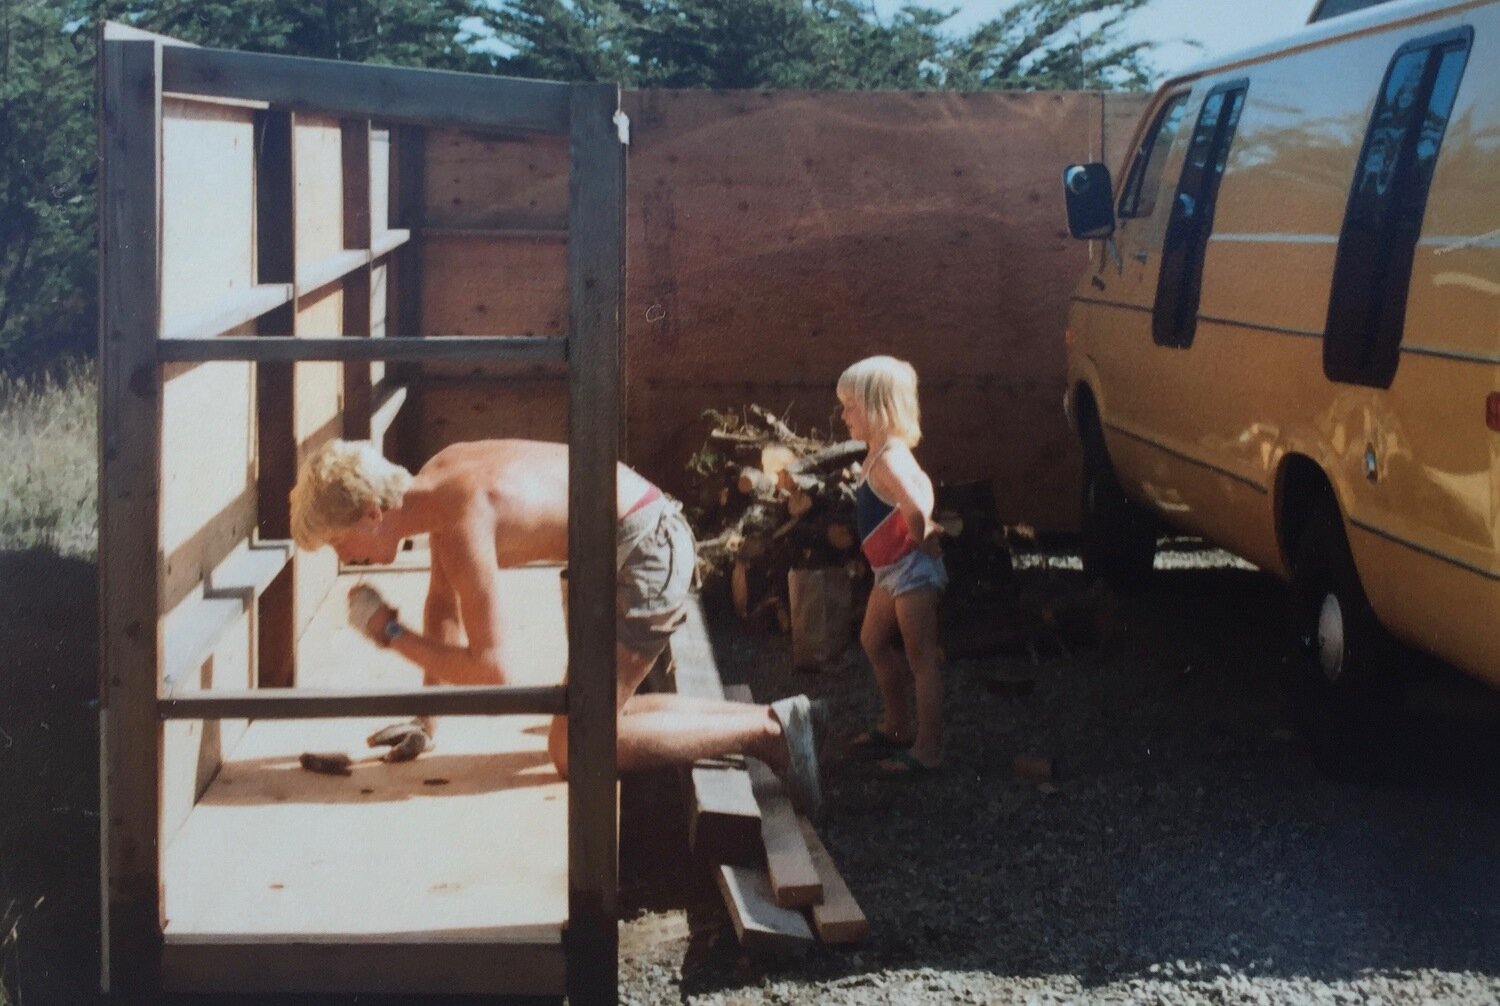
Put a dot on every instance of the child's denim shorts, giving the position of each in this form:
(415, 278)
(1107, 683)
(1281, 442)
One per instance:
(916, 570)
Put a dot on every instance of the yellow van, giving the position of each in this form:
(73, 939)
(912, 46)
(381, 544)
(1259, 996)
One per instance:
(1289, 342)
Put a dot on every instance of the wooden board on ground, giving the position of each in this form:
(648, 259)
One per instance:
(794, 879)
(348, 882)
(724, 819)
(838, 918)
(762, 926)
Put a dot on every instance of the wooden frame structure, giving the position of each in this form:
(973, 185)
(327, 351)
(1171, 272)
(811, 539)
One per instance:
(156, 328)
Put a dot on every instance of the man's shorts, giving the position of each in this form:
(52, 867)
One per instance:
(916, 570)
(655, 558)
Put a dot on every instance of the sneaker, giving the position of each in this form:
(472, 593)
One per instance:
(799, 727)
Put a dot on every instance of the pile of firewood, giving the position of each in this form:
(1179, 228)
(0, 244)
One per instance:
(769, 500)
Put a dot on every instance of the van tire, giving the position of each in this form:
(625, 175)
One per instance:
(1119, 538)
(1346, 681)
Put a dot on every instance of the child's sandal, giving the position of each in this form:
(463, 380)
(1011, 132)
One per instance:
(875, 742)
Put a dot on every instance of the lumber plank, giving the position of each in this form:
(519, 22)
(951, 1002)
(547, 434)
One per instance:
(794, 879)
(694, 668)
(303, 703)
(357, 90)
(596, 288)
(287, 349)
(763, 927)
(838, 918)
(130, 81)
(235, 310)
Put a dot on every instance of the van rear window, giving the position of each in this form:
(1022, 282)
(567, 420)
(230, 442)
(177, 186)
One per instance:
(1387, 201)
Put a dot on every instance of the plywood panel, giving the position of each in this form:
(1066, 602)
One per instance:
(478, 181)
(487, 286)
(208, 178)
(380, 179)
(317, 161)
(466, 844)
(453, 411)
(777, 237)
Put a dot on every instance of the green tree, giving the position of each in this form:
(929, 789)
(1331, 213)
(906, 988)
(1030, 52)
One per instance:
(48, 285)
(836, 44)
(1053, 44)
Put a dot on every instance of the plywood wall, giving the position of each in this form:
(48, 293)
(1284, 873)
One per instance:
(207, 487)
(774, 238)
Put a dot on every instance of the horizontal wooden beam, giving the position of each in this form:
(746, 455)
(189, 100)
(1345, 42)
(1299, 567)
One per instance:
(536, 236)
(389, 400)
(287, 349)
(229, 590)
(359, 90)
(340, 264)
(239, 308)
(305, 703)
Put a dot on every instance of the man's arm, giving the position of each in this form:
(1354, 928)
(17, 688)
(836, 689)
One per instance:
(464, 584)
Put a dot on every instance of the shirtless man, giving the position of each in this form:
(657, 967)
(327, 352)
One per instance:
(498, 503)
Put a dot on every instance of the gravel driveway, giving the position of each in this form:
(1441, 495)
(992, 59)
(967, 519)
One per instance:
(1188, 849)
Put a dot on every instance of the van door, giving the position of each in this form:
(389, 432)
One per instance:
(1412, 318)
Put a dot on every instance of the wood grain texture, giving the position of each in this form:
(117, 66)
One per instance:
(794, 880)
(763, 927)
(129, 435)
(596, 277)
(838, 919)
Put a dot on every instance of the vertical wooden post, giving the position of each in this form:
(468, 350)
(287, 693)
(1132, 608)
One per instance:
(596, 289)
(358, 387)
(275, 439)
(129, 512)
(403, 283)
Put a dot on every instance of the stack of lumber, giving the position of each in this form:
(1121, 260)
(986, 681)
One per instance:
(773, 870)
(768, 500)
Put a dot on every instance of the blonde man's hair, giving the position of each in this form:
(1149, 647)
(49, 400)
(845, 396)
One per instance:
(335, 484)
(887, 387)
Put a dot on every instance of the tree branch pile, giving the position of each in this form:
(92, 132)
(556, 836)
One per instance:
(769, 499)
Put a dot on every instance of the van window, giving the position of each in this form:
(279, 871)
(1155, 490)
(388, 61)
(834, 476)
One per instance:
(1387, 200)
(1333, 8)
(1139, 196)
(1175, 317)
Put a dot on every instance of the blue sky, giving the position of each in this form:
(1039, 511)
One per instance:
(1221, 26)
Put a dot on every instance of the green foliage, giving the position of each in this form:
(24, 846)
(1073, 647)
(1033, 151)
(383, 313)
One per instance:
(48, 432)
(816, 44)
(48, 216)
(48, 287)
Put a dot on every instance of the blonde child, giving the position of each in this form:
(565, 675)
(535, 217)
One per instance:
(894, 503)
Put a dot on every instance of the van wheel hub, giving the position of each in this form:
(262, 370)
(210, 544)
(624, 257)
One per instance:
(1331, 637)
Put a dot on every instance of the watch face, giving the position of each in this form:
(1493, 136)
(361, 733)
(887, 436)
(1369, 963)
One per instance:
(392, 630)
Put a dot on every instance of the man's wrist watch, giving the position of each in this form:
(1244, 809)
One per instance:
(393, 631)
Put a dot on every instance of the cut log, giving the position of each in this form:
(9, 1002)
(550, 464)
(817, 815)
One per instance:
(739, 589)
(774, 458)
(762, 926)
(840, 536)
(833, 456)
(839, 918)
(754, 482)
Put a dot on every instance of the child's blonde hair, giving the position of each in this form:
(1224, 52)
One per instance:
(335, 484)
(887, 387)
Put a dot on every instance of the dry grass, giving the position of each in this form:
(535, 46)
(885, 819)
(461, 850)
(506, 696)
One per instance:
(48, 466)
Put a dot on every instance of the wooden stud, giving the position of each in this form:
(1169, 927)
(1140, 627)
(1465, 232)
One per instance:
(837, 918)
(365, 91)
(130, 84)
(596, 282)
(288, 349)
(794, 879)
(276, 447)
(358, 383)
(303, 703)
(763, 927)
(403, 288)
(724, 822)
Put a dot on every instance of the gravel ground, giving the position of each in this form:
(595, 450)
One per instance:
(1188, 850)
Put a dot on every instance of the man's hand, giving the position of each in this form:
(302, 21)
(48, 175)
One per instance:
(369, 613)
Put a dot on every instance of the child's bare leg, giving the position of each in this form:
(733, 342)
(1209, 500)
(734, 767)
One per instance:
(916, 612)
(876, 637)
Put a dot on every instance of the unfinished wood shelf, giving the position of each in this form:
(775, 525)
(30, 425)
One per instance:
(262, 284)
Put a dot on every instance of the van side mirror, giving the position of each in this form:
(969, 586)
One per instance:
(1091, 201)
